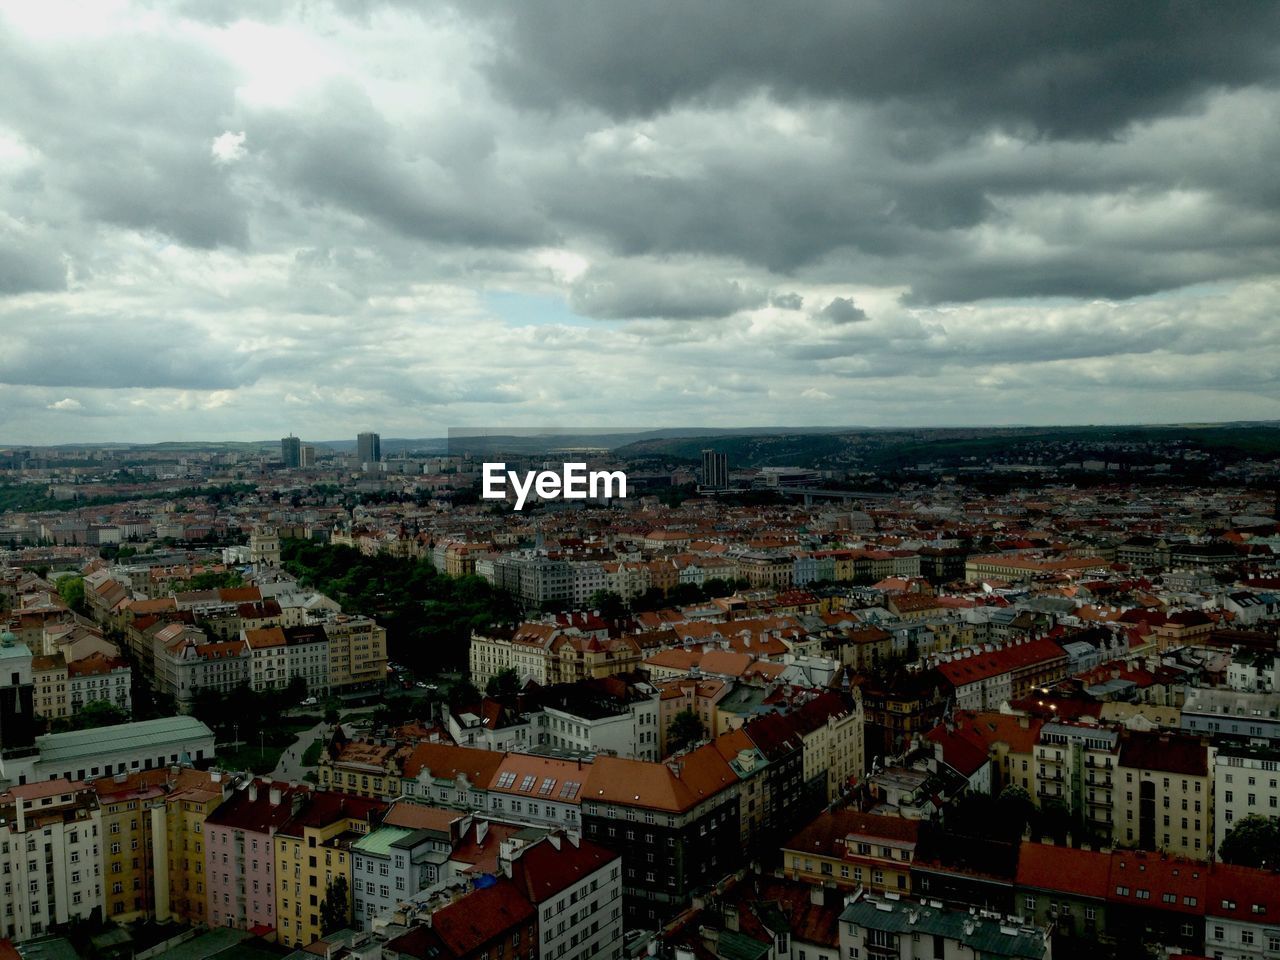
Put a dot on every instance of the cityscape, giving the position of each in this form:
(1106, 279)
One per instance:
(497, 480)
(1005, 692)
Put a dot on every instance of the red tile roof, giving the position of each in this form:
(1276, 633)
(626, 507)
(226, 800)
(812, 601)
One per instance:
(1084, 873)
(543, 870)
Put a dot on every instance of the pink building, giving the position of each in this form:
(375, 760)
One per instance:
(239, 868)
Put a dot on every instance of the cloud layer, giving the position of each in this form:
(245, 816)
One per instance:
(241, 219)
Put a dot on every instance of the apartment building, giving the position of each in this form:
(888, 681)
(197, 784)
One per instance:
(357, 652)
(575, 887)
(99, 677)
(268, 658)
(538, 790)
(49, 674)
(1077, 765)
(850, 849)
(50, 856)
(1164, 794)
(240, 877)
(675, 825)
(495, 922)
(1246, 782)
(390, 864)
(307, 656)
(450, 776)
(891, 928)
(149, 873)
(312, 850)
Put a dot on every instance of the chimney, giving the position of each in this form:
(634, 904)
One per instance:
(253, 791)
(275, 796)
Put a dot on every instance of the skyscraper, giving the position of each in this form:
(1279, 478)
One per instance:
(291, 452)
(715, 469)
(369, 448)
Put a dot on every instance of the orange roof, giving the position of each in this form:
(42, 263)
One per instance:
(540, 777)
(446, 762)
(675, 786)
(265, 638)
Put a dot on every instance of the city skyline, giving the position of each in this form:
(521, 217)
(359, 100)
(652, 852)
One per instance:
(233, 222)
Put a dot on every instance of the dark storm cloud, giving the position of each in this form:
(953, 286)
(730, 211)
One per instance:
(1065, 69)
(842, 310)
(343, 152)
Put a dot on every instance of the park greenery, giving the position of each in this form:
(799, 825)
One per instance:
(428, 616)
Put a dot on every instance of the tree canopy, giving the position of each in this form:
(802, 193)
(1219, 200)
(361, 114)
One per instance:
(684, 730)
(1253, 842)
(428, 616)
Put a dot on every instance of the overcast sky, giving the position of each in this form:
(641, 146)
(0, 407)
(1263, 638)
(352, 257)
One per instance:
(226, 220)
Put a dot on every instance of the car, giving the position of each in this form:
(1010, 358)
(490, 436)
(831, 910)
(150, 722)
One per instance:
(310, 702)
(420, 685)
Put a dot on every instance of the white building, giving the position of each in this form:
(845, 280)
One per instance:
(391, 864)
(1254, 672)
(106, 751)
(307, 656)
(538, 790)
(576, 888)
(1246, 782)
(1240, 921)
(50, 862)
(269, 658)
(100, 678)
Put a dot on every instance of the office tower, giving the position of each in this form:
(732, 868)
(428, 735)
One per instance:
(308, 458)
(368, 448)
(291, 452)
(715, 469)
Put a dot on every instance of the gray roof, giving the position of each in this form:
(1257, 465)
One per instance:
(983, 935)
(140, 735)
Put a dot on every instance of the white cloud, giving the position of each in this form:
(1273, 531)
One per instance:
(66, 405)
(228, 147)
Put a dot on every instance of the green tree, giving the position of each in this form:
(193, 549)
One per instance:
(503, 683)
(685, 729)
(1015, 808)
(1055, 819)
(610, 604)
(335, 908)
(71, 589)
(95, 713)
(1253, 842)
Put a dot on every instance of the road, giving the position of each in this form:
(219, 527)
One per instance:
(290, 766)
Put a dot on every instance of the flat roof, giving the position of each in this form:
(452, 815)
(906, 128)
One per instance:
(379, 842)
(139, 735)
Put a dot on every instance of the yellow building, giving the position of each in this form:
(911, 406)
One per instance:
(1163, 796)
(850, 849)
(49, 674)
(834, 747)
(362, 768)
(153, 844)
(312, 851)
(357, 652)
